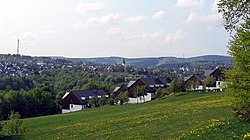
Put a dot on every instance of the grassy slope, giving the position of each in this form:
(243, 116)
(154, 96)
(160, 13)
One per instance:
(174, 117)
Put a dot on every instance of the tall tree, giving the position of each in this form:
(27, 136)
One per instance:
(123, 97)
(175, 86)
(238, 85)
(236, 14)
(140, 91)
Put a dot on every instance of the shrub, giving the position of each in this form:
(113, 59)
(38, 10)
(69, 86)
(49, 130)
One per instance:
(14, 126)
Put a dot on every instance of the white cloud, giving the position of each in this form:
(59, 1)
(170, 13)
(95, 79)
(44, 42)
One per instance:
(97, 21)
(195, 17)
(114, 31)
(29, 37)
(152, 35)
(84, 8)
(33, 39)
(158, 15)
(158, 36)
(135, 19)
(189, 3)
(173, 37)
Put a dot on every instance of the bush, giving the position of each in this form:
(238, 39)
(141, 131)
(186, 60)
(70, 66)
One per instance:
(14, 126)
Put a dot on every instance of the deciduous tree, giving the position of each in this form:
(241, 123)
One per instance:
(236, 14)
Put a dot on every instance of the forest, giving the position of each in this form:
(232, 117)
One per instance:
(40, 95)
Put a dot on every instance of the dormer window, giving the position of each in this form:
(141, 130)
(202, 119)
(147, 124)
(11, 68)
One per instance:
(151, 86)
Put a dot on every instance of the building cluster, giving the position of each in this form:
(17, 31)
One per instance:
(26, 69)
(79, 100)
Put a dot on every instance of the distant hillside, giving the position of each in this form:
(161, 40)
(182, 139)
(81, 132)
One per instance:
(150, 62)
(155, 61)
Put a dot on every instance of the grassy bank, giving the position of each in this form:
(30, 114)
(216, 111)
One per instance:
(187, 116)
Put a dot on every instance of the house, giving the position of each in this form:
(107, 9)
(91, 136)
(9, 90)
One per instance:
(217, 74)
(193, 83)
(151, 87)
(80, 99)
(132, 85)
(119, 90)
(162, 82)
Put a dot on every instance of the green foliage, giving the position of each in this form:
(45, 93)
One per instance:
(15, 83)
(93, 101)
(195, 84)
(111, 99)
(14, 126)
(102, 101)
(140, 91)
(35, 102)
(238, 85)
(237, 17)
(209, 81)
(234, 12)
(90, 86)
(123, 97)
(161, 92)
(175, 86)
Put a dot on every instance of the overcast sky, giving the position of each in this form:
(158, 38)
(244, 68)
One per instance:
(127, 28)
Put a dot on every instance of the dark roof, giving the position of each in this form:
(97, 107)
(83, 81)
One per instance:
(199, 77)
(87, 93)
(186, 78)
(147, 81)
(163, 80)
(209, 72)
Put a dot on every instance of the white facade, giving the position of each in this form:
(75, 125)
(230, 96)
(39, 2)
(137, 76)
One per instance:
(73, 108)
(217, 87)
(148, 98)
(219, 84)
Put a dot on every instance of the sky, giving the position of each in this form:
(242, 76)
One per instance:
(100, 28)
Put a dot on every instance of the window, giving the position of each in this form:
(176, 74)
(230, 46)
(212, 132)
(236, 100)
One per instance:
(71, 106)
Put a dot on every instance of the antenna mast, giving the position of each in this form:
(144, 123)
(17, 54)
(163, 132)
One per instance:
(17, 46)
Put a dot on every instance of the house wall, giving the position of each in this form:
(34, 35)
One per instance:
(219, 84)
(73, 108)
(140, 99)
(188, 84)
(132, 87)
(217, 74)
(71, 98)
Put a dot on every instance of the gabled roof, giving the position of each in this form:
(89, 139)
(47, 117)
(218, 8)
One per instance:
(209, 72)
(147, 81)
(163, 80)
(199, 77)
(86, 93)
(65, 95)
(116, 88)
(130, 83)
(187, 77)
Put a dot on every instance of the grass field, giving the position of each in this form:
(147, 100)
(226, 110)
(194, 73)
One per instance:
(186, 116)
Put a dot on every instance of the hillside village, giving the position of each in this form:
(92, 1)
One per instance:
(106, 83)
(212, 80)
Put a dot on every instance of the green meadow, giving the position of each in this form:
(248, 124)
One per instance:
(184, 116)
